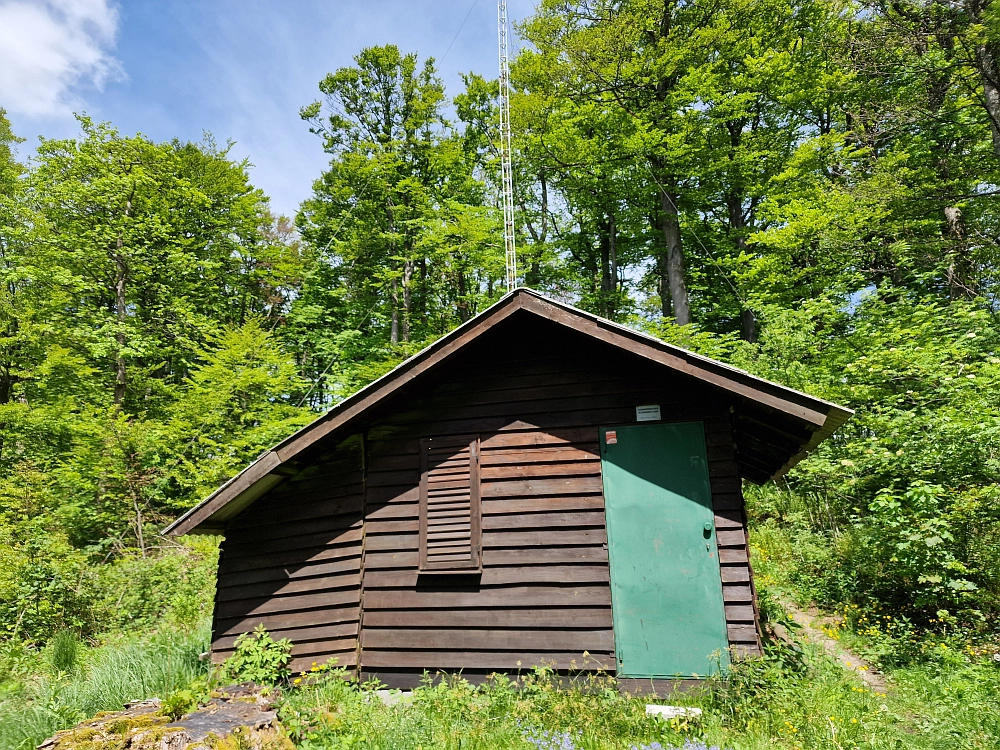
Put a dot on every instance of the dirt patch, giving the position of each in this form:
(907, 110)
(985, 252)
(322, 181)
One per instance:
(812, 624)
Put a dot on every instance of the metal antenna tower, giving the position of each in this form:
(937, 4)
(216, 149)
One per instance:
(506, 169)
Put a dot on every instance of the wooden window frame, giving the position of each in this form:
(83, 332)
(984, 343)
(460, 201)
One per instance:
(475, 562)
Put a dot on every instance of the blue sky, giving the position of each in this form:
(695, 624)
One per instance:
(237, 68)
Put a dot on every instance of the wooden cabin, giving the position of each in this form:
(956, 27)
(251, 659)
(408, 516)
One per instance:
(540, 486)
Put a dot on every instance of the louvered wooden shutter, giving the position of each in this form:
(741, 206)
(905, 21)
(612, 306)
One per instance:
(450, 537)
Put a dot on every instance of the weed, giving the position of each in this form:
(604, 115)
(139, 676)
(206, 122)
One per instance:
(259, 658)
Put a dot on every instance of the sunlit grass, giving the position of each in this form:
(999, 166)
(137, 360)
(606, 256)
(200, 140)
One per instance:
(104, 679)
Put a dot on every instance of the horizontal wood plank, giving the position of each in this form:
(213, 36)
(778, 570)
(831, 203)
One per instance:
(559, 503)
(291, 572)
(732, 538)
(735, 574)
(325, 538)
(740, 613)
(736, 593)
(742, 633)
(245, 608)
(506, 617)
(288, 620)
(296, 510)
(487, 639)
(514, 596)
(543, 520)
(512, 661)
(493, 576)
(341, 548)
(347, 579)
(320, 632)
(542, 555)
(527, 487)
(539, 469)
(574, 537)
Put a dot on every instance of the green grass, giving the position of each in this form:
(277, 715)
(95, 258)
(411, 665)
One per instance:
(32, 708)
(783, 701)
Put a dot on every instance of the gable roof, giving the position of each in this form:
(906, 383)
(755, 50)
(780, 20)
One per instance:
(784, 424)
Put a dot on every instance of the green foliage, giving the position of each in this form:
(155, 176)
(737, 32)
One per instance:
(259, 658)
(64, 648)
(131, 668)
(815, 181)
(782, 700)
(918, 543)
(900, 506)
(187, 699)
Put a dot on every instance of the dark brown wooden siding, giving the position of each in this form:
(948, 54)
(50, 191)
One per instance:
(292, 561)
(536, 400)
(730, 527)
(544, 595)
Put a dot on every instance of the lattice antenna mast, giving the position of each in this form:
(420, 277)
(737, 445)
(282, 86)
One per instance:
(506, 168)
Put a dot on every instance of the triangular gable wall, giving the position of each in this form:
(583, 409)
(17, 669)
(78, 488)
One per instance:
(777, 425)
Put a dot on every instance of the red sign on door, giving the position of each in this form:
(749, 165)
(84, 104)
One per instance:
(611, 437)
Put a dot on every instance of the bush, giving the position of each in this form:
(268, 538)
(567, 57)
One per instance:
(259, 658)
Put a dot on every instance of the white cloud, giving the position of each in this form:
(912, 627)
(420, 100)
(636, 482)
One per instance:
(49, 47)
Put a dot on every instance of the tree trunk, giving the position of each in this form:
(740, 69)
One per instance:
(671, 262)
(989, 74)
(613, 247)
(533, 276)
(604, 241)
(423, 291)
(738, 226)
(462, 304)
(674, 259)
(394, 301)
(609, 265)
(407, 297)
(394, 284)
(121, 273)
(663, 285)
(958, 264)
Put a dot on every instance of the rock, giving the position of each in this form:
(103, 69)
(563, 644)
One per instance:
(672, 712)
(242, 709)
(394, 697)
(222, 715)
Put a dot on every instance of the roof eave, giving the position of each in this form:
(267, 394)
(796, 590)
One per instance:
(210, 515)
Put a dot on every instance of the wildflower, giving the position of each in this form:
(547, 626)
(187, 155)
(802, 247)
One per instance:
(297, 680)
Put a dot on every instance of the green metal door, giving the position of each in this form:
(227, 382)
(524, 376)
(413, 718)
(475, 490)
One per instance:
(666, 591)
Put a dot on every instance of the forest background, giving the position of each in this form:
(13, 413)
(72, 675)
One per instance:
(806, 189)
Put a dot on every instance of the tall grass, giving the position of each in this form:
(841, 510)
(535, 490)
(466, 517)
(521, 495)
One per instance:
(781, 702)
(132, 668)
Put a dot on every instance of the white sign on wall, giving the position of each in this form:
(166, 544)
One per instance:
(647, 413)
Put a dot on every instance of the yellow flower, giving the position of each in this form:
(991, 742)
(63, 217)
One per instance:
(297, 680)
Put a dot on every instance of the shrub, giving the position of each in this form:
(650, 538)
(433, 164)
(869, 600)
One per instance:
(259, 658)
